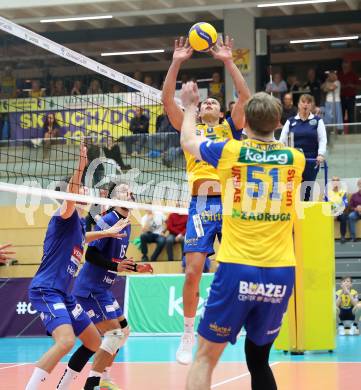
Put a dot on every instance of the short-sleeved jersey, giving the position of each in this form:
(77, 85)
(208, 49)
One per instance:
(198, 169)
(63, 250)
(95, 279)
(259, 182)
(345, 299)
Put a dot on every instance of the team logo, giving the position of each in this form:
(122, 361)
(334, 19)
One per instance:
(273, 157)
(313, 122)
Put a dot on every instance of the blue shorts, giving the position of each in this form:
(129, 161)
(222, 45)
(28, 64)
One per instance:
(253, 297)
(101, 306)
(57, 308)
(204, 224)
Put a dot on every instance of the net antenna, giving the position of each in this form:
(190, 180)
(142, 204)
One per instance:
(103, 120)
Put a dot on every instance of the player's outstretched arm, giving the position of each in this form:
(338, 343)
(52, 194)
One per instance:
(190, 141)
(112, 232)
(223, 51)
(182, 52)
(67, 208)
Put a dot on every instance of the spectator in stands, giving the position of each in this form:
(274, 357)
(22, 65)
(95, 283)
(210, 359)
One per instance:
(170, 136)
(59, 88)
(5, 252)
(355, 215)
(94, 87)
(309, 134)
(176, 226)
(78, 88)
(293, 87)
(230, 108)
(148, 80)
(153, 229)
(349, 85)
(313, 86)
(348, 307)
(36, 90)
(139, 126)
(8, 89)
(333, 109)
(289, 110)
(277, 87)
(339, 202)
(51, 132)
(112, 151)
(117, 88)
(216, 88)
(138, 75)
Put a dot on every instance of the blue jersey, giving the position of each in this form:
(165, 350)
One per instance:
(95, 279)
(63, 250)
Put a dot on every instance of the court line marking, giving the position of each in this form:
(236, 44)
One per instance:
(14, 365)
(237, 377)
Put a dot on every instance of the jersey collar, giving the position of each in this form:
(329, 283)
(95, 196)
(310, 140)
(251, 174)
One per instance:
(311, 116)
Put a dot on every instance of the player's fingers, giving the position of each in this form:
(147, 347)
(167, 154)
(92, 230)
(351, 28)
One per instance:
(220, 39)
(7, 253)
(231, 43)
(4, 246)
(186, 44)
(176, 44)
(181, 41)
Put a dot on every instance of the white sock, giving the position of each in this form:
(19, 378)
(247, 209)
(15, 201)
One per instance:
(66, 380)
(188, 324)
(106, 374)
(94, 373)
(39, 375)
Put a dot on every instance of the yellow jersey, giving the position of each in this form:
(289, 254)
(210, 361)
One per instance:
(345, 299)
(198, 169)
(259, 182)
(338, 201)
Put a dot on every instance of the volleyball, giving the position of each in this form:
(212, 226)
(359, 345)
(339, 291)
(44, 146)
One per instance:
(202, 36)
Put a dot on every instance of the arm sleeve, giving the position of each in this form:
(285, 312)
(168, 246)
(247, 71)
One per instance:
(322, 138)
(211, 152)
(284, 133)
(237, 133)
(94, 256)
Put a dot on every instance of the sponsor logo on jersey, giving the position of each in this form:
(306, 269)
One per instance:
(108, 280)
(76, 256)
(77, 311)
(260, 292)
(221, 331)
(58, 306)
(272, 157)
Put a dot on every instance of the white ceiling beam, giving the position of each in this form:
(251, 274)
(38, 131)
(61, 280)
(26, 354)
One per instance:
(16, 4)
(287, 10)
(320, 8)
(352, 4)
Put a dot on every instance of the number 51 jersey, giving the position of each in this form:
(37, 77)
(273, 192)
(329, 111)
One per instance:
(95, 279)
(259, 188)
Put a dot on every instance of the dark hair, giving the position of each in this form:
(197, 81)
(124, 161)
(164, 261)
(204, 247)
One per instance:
(46, 121)
(346, 277)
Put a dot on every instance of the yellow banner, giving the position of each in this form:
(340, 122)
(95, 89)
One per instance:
(242, 59)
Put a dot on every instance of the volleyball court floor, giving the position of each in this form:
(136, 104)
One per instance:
(148, 363)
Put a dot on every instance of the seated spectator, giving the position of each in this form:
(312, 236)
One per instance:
(293, 87)
(289, 110)
(176, 226)
(339, 203)
(78, 88)
(59, 88)
(8, 89)
(313, 86)
(216, 88)
(277, 87)
(36, 91)
(333, 109)
(230, 108)
(112, 151)
(152, 231)
(348, 307)
(94, 87)
(139, 126)
(166, 134)
(355, 214)
(51, 131)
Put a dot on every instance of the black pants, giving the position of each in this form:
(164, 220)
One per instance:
(147, 238)
(308, 179)
(343, 218)
(170, 242)
(348, 104)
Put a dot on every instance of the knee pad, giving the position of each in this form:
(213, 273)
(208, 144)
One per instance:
(112, 340)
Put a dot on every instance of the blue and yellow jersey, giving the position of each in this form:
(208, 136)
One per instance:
(259, 182)
(198, 169)
(345, 299)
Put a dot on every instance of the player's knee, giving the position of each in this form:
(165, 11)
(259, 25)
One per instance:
(112, 340)
(192, 275)
(66, 343)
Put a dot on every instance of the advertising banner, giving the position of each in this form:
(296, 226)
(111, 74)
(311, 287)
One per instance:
(155, 303)
(18, 316)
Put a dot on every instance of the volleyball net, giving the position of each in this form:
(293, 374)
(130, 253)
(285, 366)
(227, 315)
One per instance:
(64, 96)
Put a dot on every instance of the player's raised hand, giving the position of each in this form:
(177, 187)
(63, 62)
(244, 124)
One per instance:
(116, 228)
(223, 50)
(4, 253)
(83, 159)
(190, 94)
(182, 50)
